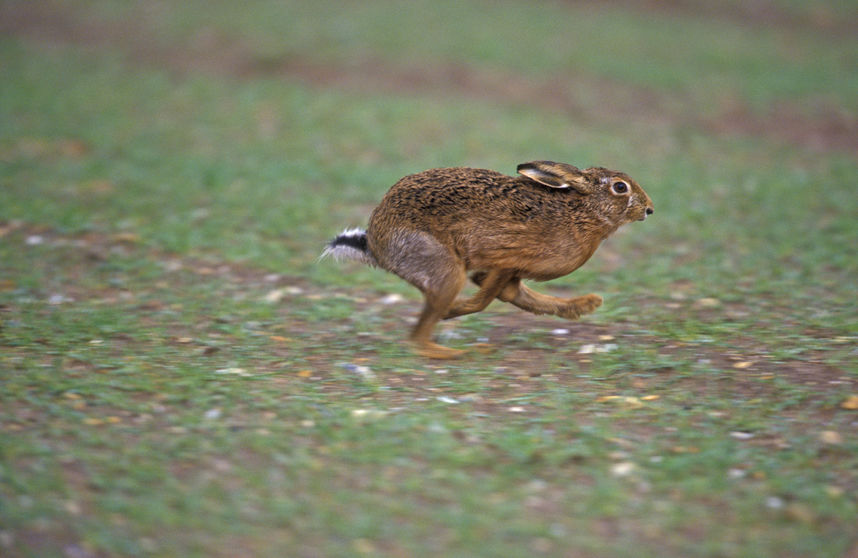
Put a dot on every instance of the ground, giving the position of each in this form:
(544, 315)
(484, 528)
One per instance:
(182, 376)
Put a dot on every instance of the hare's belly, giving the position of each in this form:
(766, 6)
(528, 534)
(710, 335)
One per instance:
(540, 262)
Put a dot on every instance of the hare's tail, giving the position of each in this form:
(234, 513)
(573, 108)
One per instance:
(350, 245)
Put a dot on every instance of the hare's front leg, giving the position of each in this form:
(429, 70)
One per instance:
(520, 295)
(490, 287)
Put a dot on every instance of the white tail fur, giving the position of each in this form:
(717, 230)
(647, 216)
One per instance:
(349, 245)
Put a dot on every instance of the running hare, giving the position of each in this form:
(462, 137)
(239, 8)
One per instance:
(434, 227)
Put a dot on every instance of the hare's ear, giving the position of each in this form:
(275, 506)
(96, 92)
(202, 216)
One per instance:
(556, 175)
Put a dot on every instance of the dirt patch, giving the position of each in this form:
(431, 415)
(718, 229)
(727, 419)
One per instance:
(764, 13)
(827, 129)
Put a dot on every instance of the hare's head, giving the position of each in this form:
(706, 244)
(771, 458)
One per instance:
(612, 195)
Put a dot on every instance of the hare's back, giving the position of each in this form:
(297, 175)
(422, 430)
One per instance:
(445, 191)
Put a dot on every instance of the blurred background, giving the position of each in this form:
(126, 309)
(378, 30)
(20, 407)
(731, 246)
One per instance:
(288, 98)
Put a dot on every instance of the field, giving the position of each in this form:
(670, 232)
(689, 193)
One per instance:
(181, 376)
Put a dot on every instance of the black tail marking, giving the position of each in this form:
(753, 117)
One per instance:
(351, 240)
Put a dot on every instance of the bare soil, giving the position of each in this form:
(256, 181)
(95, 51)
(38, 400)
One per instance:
(753, 13)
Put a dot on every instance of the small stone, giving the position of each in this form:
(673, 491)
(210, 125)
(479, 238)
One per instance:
(449, 335)
(536, 485)
(591, 348)
(851, 403)
(623, 469)
(275, 296)
(392, 298)
(708, 303)
(368, 413)
(775, 503)
(212, 414)
(831, 437)
(363, 371)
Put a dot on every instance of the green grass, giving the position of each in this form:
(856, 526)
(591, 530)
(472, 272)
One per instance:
(708, 59)
(181, 376)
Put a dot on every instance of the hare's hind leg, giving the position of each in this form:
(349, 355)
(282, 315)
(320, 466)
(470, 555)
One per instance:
(439, 297)
(520, 295)
(425, 263)
(491, 286)
(570, 308)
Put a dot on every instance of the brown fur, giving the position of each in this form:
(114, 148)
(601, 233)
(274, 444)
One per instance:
(433, 227)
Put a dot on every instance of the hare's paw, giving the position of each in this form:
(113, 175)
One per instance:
(577, 307)
(436, 351)
(588, 303)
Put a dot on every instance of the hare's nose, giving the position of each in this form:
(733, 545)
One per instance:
(649, 210)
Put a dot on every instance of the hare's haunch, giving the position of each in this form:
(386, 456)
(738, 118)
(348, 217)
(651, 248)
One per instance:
(433, 228)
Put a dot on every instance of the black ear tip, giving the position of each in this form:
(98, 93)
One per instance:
(536, 165)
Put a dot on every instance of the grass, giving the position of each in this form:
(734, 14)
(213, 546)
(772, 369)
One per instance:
(715, 55)
(181, 376)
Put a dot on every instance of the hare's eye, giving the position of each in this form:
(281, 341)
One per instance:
(619, 187)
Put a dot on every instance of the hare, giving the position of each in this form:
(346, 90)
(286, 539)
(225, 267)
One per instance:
(434, 227)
